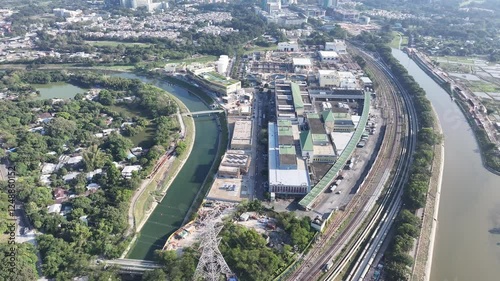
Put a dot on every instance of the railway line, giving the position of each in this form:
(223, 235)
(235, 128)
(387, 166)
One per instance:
(369, 191)
(367, 258)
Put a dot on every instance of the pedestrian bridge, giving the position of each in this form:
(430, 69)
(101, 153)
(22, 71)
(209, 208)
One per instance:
(201, 113)
(132, 266)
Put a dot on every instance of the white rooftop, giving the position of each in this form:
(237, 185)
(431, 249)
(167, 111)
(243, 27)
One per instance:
(327, 71)
(75, 160)
(355, 119)
(331, 54)
(341, 140)
(48, 168)
(346, 75)
(55, 208)
(127, 170)
(302, 61)
(366, 80)
(93, 186)
(91, 174)
(70, 176)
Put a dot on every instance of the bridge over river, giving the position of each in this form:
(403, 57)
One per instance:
(201, 113)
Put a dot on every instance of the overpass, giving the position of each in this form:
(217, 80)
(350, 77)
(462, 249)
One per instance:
(132, 266)
(200, 113)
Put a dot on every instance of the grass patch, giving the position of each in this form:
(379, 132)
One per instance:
(481, 86)
(395, 40)
(455, 67)
(106, 43)
(466, 60)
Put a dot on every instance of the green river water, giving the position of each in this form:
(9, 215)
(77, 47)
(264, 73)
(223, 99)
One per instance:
(169, 214)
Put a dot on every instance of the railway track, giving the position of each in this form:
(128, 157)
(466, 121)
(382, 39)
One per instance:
(369, 191)
(367, 257)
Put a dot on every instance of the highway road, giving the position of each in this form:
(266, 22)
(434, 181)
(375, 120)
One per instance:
(358, 210)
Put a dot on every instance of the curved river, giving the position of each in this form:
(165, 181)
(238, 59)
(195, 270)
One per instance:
(169, 214)
(464, 250)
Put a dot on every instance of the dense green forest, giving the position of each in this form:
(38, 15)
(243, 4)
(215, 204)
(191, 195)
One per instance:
(94, 222)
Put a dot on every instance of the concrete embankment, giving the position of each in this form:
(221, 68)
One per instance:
(425, 244)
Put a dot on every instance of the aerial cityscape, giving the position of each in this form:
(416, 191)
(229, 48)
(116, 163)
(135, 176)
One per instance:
(250, 140)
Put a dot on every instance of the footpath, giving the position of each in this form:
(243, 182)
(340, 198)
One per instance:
(133, 225)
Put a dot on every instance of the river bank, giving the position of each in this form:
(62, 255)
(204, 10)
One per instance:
(468, 203)
(425, 245)
(471, 108)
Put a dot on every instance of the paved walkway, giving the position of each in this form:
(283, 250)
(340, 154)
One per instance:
(131, 218)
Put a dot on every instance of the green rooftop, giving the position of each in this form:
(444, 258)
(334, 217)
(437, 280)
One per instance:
(285, 131)
(306, 143)
(297, 97)
(319, 138)
(217, 78)
(327, 116)
(341, 115)
(319, 188)
(312, 116)
(284, 123)
(287, 149)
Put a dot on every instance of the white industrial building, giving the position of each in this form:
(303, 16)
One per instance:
(328, 78)
(288, 174)
(328, 56)
(337, 46)
(301, 65)
(242, 135)
(288, 46)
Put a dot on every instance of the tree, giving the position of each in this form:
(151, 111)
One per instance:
(61, 128)
(157, 274)
(25, 264)
(94, 158)
(118, 146)
(181, 147)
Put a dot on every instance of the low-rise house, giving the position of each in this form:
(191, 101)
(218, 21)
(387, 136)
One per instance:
(70, 176)
(45, 179)
(93, 187)
(40, 130)
(107, 132)
(75, 160)
(126, 124)
(48, 168)
(44, 117)
(91, 174)
(128, 170)
(60, 195)
(54, 208)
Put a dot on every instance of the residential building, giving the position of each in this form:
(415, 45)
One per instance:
(128, 170)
